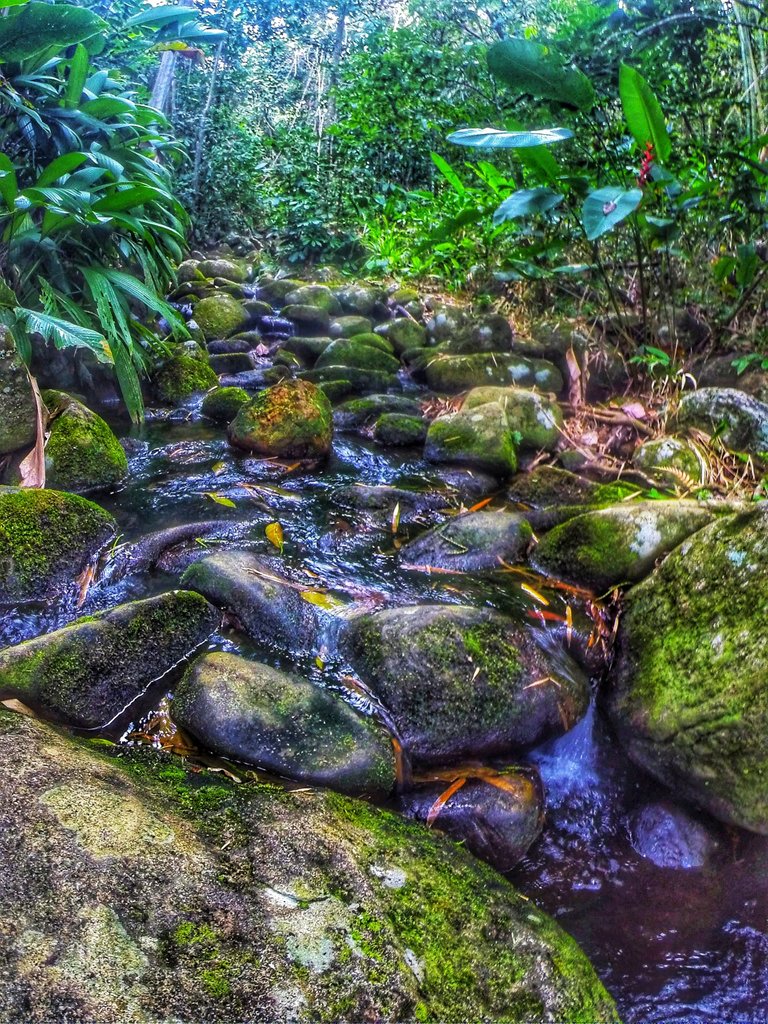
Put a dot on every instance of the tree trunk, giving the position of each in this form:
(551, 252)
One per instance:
(202, 123)
(163, 88)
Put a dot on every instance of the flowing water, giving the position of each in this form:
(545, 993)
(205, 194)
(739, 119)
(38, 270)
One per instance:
(673, 944)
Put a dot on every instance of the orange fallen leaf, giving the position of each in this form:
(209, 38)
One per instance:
(442, 800)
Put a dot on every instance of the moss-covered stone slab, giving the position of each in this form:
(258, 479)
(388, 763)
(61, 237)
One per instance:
(457, 680)
(222, 404)
(489, 332)
(739, 420)
(88, 672)
(404, 334)
(453, 373)
(284, 724)
(82, 453)
(307, 349)
(226, 269)
(671, 461)
(361, 413)
(362, 299)
(478, 438)
(47, 539)
(618, 545)
(18, 409)
(351, 380)
(231, 362)
(188, 271)
(473, 542)
(274, 290)
(359, 352)
(181, 376)
(549, 495)
(148, 894)
(688, 693)
(535, 419)
(307, 318)
(220, 316)
(292, 419)
(349, 326)
(318, 295)
(399, 429)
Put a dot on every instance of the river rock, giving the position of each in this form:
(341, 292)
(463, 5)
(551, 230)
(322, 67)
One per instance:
(478, 438)
(231, 362)
(403, 333)
(489, 332)
(307, 349)
(133, 891)
(292, 419)
(671, 837)
(549, 495)
(283, 724)
(18, 409)
(395, 428)
(688, 696)
(473, 542)
(464, 682)
(496, 820)
(222, 404)
(182, 375)
(88, 672)
(618, 545)
(223, 268)
(220, 316)
(81, 454)
(536, 419)
(671, 461)
(47, 539)
(363, 299)
(745, 418)
(318, 295)
(453, 373)
(311, 319)
(270, 610)
(349, 326)
(274, 290)
(360, 413)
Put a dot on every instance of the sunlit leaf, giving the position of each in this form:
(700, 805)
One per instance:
(220, 499)
(274, 532)
(604, 208)
(493, 138)
(322, 599)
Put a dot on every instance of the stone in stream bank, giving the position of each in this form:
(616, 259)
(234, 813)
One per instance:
(473, 542)
(132, 891)
(284, 724)
(18, 422)
(464, 682)
(292, 419)
(47, 539)
(88, 672)
(687, 696)
(82, 453)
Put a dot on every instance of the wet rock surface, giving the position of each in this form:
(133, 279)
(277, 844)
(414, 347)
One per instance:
(473, 542)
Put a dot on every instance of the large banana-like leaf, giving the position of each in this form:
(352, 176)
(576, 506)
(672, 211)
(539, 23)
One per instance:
(64, 334)
(643, 112)
(493, 138)
(34, 28)
(537, 70)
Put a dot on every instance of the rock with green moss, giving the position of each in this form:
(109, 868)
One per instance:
(404, 334)
(292, 419)
(478, 438)
(220, 316)
(349, 326)
(361, 413)
(222, 404)
(739, 420)
(536, 420)
(359, 352)
(319, 296)
(362, 299)
(269, 609)
(481, 333)
(688, 696)
(399, 429)
(47, 539)
(82, 454)
(474, 542)
(88, 672)
(671, 461)
(340, 381)
(274, 290)
(307, 349)
(150, 894)
(182, 375)
(618, 545)
(223, 268)
(18, 409)
(309, 319)
(497, 820)
(231, 362)
(189, 271)
(446, 320)
(284, 724)
(549, 495)
(457, 681)
(453, 373)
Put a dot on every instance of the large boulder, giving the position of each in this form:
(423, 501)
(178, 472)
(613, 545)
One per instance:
(359, 352)
(618, 545)
(488, 332)
(222, 404)
(403, 333)
(688, 696)
(478, 438)
(464, 682)
(349, 326)
(82, 453)
(47, 539)
(738, 419)
(225, 269)
(672, 462)
(308, 318)
(473, 542)
(133, 891)
(535, 420)
(292, 419)
(318, 295)
(362, 299)
(182, 375)
(18, 409)
(284, 724)
(220, 316)
(453, 373)
(88, 672)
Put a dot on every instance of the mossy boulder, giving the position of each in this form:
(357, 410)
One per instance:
(274, 290)
(307, 349)
(549, 495)
(361, 413)
(446, 320)
(47, 539)
(318, 295)
(457, 681)
(395, 428)
(284, 724)
(149, 893)
(453, 373)
(18, 409)
(222, 404)
(359, 352)
(311, 319)
(270, 610)
(670, 461)
(688, 697)
(738, 419)
(231, 362)
(478, 438)
(473, 542)
(340, 381)
(292, 419)
(220, 316)
(183, 375)
(349, 326)
(82, 453)
(404, 334)
(88, 672)
(536, 421)
(189, 271)
(487, 333)
(618, 545)
(225, 269)
(362, 299)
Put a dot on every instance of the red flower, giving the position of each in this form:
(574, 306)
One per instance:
(645, 167)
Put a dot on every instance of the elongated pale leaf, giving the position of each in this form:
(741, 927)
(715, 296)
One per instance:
(154, 17)
(537, 70)
(643, 112)
(322, 599)
(78, 72)
(493, 138)
(527, 201)
(607, 207)
(220, 499)
(32, 466)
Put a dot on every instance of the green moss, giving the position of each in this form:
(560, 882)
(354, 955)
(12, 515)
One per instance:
(181, 376)
(222, 404)
(220, 316)
(453, 373)
(292, 419)
(399, 429)
(479, 438)
(82, 453)
(363, 352)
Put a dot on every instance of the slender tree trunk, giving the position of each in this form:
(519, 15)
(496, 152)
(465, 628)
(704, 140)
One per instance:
(162, 90)
(201, 125)
(342, 12)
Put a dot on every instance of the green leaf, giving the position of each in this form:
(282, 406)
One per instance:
(8, 298)
(57, 168)
(492, 138)
(9, 186)
(533, 69)
(154, 17)
(527, 201)
(643, 113)
(78, 72)
(64, 334)
(35, 27)
(449, 174)
(607, 207)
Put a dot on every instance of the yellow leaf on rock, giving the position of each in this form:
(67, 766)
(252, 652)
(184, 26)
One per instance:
(274, 532)
(220, 499)
(322, 599)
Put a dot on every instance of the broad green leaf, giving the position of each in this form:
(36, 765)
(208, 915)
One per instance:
(540, 71)
(78, 72)
(8, 298)
(527, 201)
(449, 174)
(492, 138)
(155, 17)
(643, 113)
(34, 28)
(607, 207)
(57, 168)
(220, 499)
(9, 186)
(64, 334)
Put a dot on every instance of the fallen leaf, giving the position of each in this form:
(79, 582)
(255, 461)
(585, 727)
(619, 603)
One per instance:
(32, 466)
(534, 594)
(218, 468)
(274, 532)
(220, 499)
(442, 800)
(321, 598)
(481, 504)
(396, 518)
